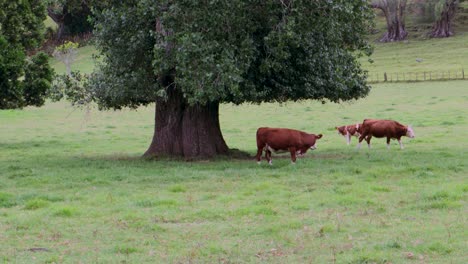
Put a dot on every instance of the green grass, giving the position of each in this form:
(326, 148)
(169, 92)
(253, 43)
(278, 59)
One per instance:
(49, 23)
(84, 61)
(437, 55)
(72, 182)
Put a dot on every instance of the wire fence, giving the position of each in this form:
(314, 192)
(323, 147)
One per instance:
(417, 76)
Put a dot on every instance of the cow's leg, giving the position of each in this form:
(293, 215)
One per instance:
(348, 138)
(268, 156)
(388, 143)
(363, 135)
(259, 154)
(293, 155)
(401, 143)
(368, 138)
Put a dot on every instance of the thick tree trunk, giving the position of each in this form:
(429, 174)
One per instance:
(58, 18)
(181, 130)
(442, 28)
(395, 32)
(394, 11)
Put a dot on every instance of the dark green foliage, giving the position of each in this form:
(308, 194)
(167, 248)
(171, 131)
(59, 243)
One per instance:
(23, 81)
(21, 22)
(12, 61)
(38, 78)
(231, 51)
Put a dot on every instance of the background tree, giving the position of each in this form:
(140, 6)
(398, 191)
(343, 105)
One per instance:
(71, 16)
(74, 16)
(440, 13)
(444, 11)
(66, 53)
(190, 56)
(23, 81)
(394, 11)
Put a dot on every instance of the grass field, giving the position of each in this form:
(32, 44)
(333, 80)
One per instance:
(74, 190)
(437, 55)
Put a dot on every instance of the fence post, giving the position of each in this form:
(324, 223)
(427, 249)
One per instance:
(463, 74)
(385, 76)
(397, 76)
(424, 75)
(416, 76)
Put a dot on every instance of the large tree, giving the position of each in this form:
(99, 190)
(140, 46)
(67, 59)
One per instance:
(394, 11)
(440, 13)
(444, 11)
(190, 56)
(23, 81)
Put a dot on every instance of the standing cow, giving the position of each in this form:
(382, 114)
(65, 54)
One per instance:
(348, 131)
(352, 130)
(384, 128)
(284, 139)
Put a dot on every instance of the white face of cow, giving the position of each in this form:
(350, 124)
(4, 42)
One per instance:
(410, 132)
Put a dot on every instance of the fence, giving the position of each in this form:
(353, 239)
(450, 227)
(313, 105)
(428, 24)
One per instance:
(417, 76)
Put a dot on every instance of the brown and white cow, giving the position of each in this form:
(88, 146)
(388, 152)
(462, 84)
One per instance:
(348, 131)
(384, 128)
(352, 130)
(284, 139)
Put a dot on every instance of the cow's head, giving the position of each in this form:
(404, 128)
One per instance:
(342, 130)
(409, 132)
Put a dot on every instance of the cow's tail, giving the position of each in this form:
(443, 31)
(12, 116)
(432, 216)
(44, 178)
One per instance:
(319, 136)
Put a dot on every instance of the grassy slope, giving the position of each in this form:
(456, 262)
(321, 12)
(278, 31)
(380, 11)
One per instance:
(84, 61)
(437, 54)
(71, 182)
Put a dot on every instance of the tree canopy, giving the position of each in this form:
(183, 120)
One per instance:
(23, 81)
(231, 51)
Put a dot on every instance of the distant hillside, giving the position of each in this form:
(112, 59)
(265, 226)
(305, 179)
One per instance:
(420, 53)
(416, 55)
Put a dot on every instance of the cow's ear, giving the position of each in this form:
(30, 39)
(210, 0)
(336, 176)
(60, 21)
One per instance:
(336, 128)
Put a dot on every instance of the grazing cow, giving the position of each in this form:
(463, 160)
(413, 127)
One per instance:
(352, 130)
(384, 128)
(284, 139)
(348, 131)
